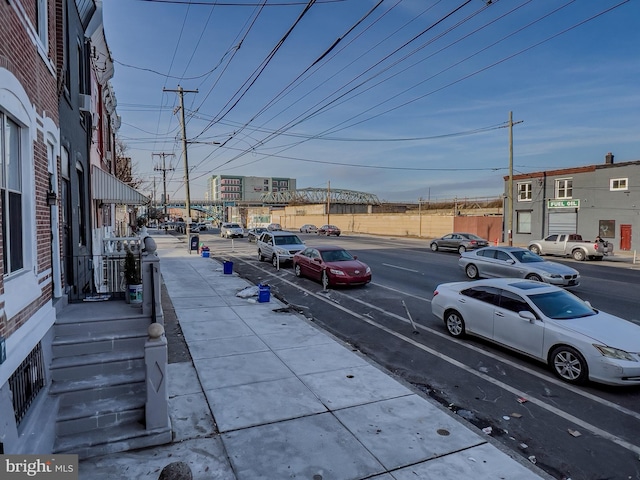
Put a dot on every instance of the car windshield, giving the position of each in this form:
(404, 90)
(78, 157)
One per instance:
(336, 256)
(288, 240)
(233, 225)
(561, 305)
(471, 236)
(525, 256)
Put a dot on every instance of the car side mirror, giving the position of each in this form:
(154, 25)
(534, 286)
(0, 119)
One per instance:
(355, 257)
(527, 315)
(317, 260)
(511, 261)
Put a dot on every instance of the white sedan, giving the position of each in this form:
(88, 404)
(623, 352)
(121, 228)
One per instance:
(545, 322)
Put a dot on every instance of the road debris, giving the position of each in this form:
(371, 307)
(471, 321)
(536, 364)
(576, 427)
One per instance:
(487, 430)
(573, 433)
(522, 400)
(516, 415)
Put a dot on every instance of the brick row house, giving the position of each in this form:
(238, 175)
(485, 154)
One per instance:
(61, 209)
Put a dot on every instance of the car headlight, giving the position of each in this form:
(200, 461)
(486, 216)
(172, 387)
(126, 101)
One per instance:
(281, 251)
(368, 270)
(552, 275)
(615, 353)
(336, 272)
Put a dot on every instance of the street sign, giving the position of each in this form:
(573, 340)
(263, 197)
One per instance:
(563, 203)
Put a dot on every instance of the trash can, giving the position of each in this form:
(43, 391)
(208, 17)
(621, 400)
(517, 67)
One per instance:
(264, 293)
(205, 251)
(227, 267)
(195, 241)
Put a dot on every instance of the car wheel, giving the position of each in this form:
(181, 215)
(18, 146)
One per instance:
(297, 270)
(325, 280)
(274, 261)
(578, 255)
(454, 323)
(472, 271)
(569, 365)
(260, 257)
(337, 234)
(462, 249)
(534, 249)
(533, 276)
(434, 247)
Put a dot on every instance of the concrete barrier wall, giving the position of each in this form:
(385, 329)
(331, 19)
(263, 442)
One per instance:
(432, 224)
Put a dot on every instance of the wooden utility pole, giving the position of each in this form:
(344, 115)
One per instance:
(328, 202)
(510, 182)
(164, 170)
(181, 91)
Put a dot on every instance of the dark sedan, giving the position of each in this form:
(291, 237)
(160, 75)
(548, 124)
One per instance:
(331, 265)
(329, 230)
(253, 234)
(461, 242)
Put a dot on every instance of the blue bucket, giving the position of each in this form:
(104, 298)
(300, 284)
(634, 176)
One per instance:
(264, 293)
(227, 268)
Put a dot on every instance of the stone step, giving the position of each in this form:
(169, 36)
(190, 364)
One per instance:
(75, 345)
(99, 387)
(98, 414)
(94, 326)
(93, 367)
(108, 440)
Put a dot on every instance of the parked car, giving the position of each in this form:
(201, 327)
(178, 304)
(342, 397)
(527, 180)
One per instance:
(331, 266)
(545, 322)
(254, 233)
(308, 228)
(460, 242)
(278, 246)
(231, 230)
(516, 262)
(573, 245)
(329, 230)
(274, 227)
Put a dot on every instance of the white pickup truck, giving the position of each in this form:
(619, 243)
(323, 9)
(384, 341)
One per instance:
(570, 244)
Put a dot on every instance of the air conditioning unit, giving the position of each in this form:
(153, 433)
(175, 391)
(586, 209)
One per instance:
(85, 103)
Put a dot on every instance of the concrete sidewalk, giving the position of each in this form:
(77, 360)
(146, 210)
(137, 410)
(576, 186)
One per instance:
(270, 396)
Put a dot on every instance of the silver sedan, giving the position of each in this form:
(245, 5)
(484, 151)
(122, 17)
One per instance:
(545, 322)
(516, 262)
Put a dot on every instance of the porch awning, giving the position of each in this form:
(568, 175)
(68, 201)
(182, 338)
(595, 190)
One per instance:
(109, 189)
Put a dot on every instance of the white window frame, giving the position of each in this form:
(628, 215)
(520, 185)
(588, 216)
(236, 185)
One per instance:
(522, 226)
(527, 197)
(618, 184)
(42, 23)
(565, 184)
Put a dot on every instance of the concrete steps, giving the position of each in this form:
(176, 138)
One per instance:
(98, 378)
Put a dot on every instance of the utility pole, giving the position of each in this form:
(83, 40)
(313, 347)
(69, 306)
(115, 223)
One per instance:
(164, 170)
(328, 202)
(181, 91)
(510, 182)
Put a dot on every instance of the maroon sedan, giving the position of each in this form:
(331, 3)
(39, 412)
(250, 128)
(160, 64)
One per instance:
(331, 265)
(329, 230)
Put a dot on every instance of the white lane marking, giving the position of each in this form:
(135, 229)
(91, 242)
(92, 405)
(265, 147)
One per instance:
(401, 292)
(550, 379)
(400, 268)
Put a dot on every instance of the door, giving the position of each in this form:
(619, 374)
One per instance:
(510, 329)
(625, 237)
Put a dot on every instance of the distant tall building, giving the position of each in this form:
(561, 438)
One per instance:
(239, 188)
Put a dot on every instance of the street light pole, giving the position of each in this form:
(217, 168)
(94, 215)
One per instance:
(187, 200)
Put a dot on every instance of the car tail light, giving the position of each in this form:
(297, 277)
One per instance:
(473, 242)
(435, 293)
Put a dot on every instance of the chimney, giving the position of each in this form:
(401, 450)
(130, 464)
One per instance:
(608, 159)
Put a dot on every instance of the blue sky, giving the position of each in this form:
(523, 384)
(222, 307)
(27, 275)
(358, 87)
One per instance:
(411, 103)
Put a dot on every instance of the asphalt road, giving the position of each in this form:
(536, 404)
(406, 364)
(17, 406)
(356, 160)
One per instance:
(588, 432)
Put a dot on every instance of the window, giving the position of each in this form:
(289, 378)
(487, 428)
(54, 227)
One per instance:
(523, 222)
(618, 184)
(42, 18)
(81, 206)
(514, 302)
(564, 188)
(524, 192)
(484, 294)
(11, 192)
